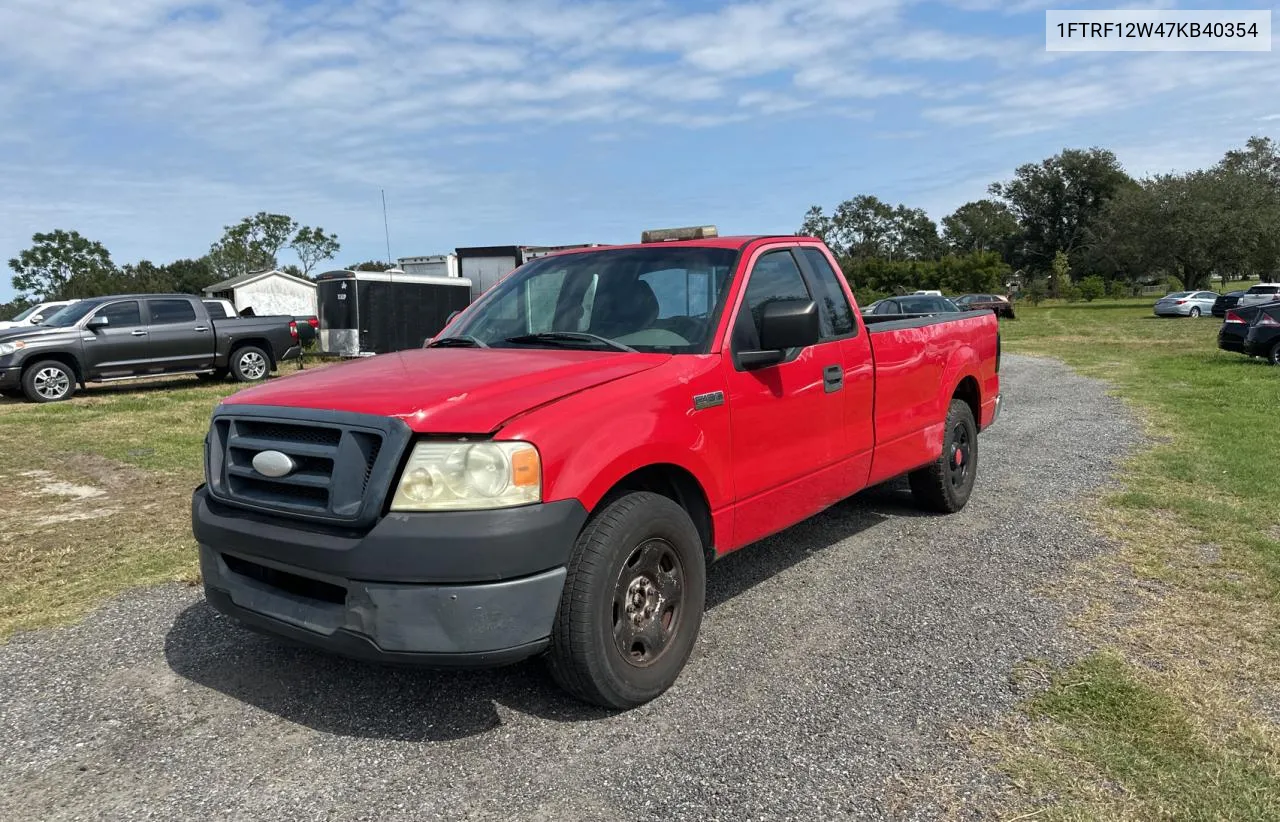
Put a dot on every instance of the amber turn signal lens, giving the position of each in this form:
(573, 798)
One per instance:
(526, 468)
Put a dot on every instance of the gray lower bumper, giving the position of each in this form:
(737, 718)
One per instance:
(482, 624)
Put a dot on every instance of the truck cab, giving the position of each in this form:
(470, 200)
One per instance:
(554, 472)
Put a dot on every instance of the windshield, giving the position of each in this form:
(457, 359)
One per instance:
(70, 315)
(647, 299)
(26, 313)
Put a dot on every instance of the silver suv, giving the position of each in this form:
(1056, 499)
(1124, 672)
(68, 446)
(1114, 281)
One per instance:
(1259, 294)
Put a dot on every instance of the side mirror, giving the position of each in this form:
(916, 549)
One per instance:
(37, 319)
(784, 325)
(97, 322)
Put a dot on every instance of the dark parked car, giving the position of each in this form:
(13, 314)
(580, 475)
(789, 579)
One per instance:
(1225, 302)
(993, 302)
(911, 304)
(1239, 324)
(139, 335)
(1263, 337)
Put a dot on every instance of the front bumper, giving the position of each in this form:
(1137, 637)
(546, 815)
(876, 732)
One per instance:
(446, 589)
(10, 378)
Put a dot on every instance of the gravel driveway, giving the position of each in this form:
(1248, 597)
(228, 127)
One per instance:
(832, 661)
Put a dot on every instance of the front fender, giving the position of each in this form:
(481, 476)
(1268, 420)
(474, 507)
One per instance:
(591, 440)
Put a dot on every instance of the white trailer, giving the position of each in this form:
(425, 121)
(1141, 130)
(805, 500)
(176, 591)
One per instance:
(433, 265)
(485, 265)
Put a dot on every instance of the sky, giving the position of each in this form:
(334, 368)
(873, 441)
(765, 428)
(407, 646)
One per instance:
(148, 125)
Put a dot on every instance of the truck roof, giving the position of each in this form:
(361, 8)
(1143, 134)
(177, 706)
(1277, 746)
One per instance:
(737, 242)
(140, 296)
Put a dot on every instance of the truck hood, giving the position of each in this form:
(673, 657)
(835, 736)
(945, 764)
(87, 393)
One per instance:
(449, 390)
(35, 332)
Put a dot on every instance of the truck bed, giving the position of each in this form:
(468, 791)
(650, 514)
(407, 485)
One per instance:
(914, 355)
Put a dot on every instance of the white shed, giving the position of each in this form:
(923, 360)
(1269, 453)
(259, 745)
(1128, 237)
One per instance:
(268, 292)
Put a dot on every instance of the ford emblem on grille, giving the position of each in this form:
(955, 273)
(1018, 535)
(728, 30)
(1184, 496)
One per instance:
(273, 464)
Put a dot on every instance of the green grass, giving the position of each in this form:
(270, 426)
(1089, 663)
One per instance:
(97, 494)
(1172, 719)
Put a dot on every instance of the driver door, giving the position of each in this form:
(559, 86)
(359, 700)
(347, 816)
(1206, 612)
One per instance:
(119, 349)
(788, 418)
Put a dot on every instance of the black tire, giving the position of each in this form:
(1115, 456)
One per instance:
(945, 485)
(49, 381)
(637, 578)
(217, 375)
(1274, 356)
(249, 363)
(1195, 312)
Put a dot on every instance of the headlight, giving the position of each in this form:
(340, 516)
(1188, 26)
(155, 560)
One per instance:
(452, 476)
(8, 348)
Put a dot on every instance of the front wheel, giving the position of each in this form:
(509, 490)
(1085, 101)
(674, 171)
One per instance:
(632, 603)
(49, 381)
(250, 364)
(944, 486)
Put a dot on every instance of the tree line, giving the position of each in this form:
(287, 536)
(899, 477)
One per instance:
(1075, 225)
(64, 265)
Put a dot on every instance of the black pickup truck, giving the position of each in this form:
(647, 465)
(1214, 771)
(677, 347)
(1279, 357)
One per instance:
(139, 335)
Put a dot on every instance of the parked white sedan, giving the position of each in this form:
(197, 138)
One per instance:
(1186, 304)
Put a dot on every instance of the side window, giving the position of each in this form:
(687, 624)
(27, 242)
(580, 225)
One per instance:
(171, 312)
(774, 277)
(217, 310)
(839, 315)
(122, 315)
(887, 307)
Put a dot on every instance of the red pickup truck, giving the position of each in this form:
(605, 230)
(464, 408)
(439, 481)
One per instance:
(554, 472)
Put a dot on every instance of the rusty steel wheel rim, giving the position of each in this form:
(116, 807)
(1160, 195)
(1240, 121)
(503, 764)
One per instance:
(961, 455)
(648, 602)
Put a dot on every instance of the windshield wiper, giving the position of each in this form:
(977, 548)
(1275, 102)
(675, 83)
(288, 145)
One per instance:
(459, 341)
(570, 337)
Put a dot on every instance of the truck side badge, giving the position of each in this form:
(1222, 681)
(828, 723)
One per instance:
(711, 400)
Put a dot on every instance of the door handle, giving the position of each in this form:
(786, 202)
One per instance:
(139, 333)
(833, 378)
(202, 328)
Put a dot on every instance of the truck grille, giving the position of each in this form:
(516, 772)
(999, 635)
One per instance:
(343, 464)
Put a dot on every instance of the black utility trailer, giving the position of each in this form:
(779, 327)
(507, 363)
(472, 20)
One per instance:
(363, 313)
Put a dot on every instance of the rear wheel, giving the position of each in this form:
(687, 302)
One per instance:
(945, 485)
(1195, 312)
(632, 603)
(49, 381)
(250, 364)
(1274, 356)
